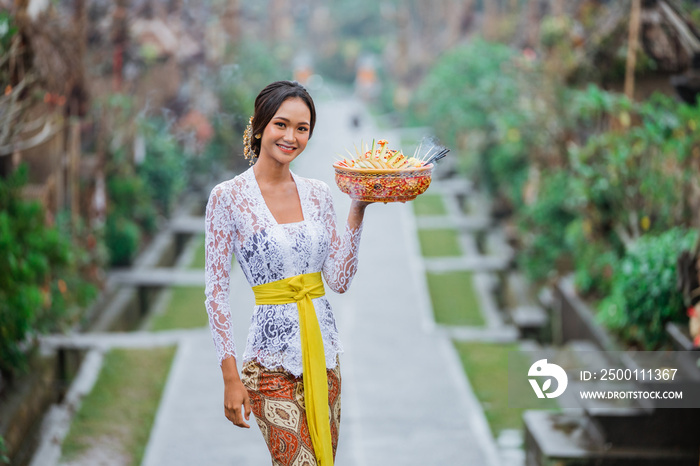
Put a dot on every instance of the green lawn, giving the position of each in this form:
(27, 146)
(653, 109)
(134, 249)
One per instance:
(118, 414)
(454, 298)
(429, 204)
(439, 243)
(185, 310)
(486, 365)
(198, 259)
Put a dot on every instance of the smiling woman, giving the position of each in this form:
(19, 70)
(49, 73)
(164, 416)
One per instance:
(288, 130)
(268, 105)
(281, 228)
(282, 140)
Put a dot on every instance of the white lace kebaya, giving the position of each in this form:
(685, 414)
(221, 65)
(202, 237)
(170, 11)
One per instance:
(238, 222)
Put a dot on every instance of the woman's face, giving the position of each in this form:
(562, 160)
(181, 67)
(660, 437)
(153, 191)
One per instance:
(287, 133)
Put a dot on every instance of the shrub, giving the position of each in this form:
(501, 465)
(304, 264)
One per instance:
(542, 227)
(40, 288)
(3, 452)
(639, 179)
(131, 213)
(464, 89)
(123, 239)
(594, 259)
(130, 198)
(163, 170)
(644, 294)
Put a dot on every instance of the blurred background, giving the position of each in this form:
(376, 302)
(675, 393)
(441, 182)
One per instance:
(574, 131)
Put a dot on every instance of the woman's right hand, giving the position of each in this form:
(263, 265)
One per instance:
(236, 403)
(235, 394)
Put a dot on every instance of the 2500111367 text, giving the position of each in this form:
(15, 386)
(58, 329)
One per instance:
(665, 374)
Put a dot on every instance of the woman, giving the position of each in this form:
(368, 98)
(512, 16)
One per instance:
(281, 228)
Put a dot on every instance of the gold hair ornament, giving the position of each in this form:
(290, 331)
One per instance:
(248, 152)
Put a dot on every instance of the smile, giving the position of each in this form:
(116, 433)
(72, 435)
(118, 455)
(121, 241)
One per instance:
(286, 148)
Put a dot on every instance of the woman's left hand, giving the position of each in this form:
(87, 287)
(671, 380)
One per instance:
(360, 204)
(357, 213)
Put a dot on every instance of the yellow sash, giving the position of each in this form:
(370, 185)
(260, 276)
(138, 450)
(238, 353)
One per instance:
(301, 289)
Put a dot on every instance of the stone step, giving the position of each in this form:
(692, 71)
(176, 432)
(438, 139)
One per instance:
(557, 438)
(106, 340)
(157, 276)
(476, 263)
(504, 334)
(467, 223)
(529, 319)
(187, 224)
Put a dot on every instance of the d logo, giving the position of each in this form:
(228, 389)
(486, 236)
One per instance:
(542, 369)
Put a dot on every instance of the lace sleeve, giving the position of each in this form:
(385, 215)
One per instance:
(218, 240)
(341, 264)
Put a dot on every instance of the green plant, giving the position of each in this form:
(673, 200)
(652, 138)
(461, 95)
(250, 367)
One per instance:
(639, 179)
(594, 259)
(130, 198)
(4, 459)
(644, 294)
(163, 170)
(481, 102)
(131, 214)
(40, 288)
(465, 87)
(7, 31)
(542, 226)
(123, 239)
(555, 30)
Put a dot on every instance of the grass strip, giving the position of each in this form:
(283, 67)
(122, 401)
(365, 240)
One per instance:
(198, 259)
(117, 416)
(486, 365)
(184, 310)
(429, 204)
(454, 299)
(439, 243)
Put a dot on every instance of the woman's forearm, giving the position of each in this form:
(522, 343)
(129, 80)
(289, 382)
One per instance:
(229, 370)
(356, 214)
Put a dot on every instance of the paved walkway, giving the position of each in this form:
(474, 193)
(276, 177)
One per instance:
(406, 400)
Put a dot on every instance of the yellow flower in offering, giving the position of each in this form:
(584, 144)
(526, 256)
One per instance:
(379, 156)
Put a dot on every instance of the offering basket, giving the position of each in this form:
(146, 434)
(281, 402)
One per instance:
(383, 185)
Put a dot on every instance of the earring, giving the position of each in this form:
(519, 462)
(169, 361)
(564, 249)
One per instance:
(258, 136)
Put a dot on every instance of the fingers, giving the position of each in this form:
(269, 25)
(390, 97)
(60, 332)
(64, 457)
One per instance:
(236, 403)
(240, 422)
(235, 415)
(246, 405)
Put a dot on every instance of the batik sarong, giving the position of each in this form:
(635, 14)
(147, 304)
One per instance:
(277, 401)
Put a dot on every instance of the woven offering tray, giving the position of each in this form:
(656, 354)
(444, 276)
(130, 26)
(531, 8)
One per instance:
(380, 174)
(383, 185)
